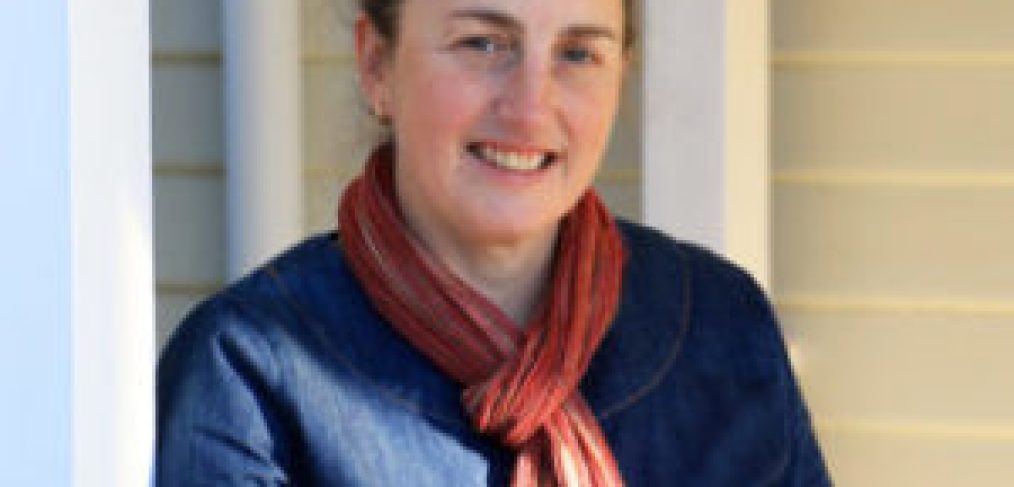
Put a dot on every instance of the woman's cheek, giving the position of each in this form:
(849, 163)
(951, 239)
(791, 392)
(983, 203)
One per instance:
(589, 119)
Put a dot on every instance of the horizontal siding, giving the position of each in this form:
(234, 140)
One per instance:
(893, 186)
(870, 177)
(322, 192)
(865, 459)
(326, 26)
(908, 367)
(188, 153)
(894, 119)
(336, 126)
(187, 113)
(190, 230)
(878, 24)
(186, 25)
(894, 59)
(888, 241)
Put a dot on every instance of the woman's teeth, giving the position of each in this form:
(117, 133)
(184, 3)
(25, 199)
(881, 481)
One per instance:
(512, 160)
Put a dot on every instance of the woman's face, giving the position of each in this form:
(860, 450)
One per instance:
(501, 111)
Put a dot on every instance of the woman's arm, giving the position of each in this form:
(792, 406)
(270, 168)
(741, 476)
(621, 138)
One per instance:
(217, 414)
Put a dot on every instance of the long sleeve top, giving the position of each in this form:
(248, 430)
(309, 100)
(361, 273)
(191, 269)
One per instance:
(291, 377)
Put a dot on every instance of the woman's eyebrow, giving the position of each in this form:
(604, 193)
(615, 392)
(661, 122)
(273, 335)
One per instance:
(592, 31)
(489, 16)
(506, 21)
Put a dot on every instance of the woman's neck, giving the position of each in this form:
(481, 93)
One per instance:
(512, 275)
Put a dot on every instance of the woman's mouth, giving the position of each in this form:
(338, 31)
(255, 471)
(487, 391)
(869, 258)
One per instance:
(510, 159)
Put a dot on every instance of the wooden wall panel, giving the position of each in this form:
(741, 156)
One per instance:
(893, 191)
(337, 129)
(894, 119)
(187, 113)
(873, 459)
(324, 186)
(326, 26)
(891, 241)
(189, 230)
(876, 24)
(943, 372)
(186, 25)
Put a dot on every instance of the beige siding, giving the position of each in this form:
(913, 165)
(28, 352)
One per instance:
(925, 25)
(895, 368)
(874, 458)
(893, 188)
(188, 152)
(894, 118)
(867, 239)
(185, 26)
(188, 243)
(337, 134)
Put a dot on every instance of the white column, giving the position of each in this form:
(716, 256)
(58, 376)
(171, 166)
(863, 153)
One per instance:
(111, 196)
(77, 344)
(705, 125)
(263, 162)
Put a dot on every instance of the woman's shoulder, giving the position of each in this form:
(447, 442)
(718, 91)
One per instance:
(237, 312)
(229, 378)
(653, 252)
(698, 338)
(721, 310)
(265, 291)
(302, 307)
(258, 312)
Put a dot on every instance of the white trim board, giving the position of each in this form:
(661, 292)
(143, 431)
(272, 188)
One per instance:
(111, 195)
(706, 171)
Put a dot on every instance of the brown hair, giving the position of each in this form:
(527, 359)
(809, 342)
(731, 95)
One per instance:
(384, 16)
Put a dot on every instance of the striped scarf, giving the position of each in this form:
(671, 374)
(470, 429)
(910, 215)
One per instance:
(520, 385)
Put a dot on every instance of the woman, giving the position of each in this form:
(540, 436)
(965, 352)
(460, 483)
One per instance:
(479, 318)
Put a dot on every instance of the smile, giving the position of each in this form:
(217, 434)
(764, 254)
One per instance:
(511, 160)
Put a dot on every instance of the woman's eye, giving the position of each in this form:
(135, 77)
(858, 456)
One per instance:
(577, 55)
(483, 44)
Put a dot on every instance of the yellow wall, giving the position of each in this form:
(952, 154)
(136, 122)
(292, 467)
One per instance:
(893, 232)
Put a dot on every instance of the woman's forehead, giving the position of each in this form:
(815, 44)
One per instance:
(531, 14)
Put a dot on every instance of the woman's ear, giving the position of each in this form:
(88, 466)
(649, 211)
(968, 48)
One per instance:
(371, 63)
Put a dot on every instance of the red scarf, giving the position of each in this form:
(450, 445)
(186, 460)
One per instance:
(520, 384)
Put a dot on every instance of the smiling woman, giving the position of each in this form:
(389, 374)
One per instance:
(479, 317)
(500, 118)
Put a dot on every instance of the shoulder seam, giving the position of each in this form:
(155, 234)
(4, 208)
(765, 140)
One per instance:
(674, 353)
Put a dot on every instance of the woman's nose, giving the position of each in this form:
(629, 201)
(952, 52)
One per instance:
(527, 96)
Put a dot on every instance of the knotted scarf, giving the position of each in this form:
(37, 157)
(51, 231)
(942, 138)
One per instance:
(520, 384)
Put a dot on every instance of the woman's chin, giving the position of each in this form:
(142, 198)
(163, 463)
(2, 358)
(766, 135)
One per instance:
(500, 231)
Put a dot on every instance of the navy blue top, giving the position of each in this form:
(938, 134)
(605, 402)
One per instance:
(290, 377)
